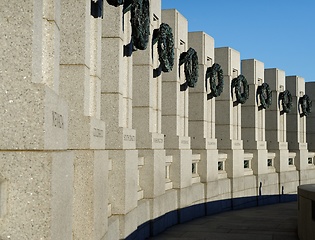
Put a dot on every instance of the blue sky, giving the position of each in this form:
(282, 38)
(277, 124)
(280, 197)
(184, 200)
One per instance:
(280, 33)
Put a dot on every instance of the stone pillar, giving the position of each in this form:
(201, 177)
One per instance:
(276, 133)
(116, 111)
(80, 75)
(175, 110)
(31, 42)
(228, 121)
(36, 170)
(310, 127)
(147, 113)
(228, 114)
(296, 133)
(202, 114)
(253, 129)
(80, 85)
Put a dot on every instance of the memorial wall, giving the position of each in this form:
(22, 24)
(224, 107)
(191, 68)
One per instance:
(118, 123)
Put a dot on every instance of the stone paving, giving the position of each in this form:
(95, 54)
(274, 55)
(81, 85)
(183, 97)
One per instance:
(272, 222)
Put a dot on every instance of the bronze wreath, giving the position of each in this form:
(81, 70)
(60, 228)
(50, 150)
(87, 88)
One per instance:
(286, 101)
(265, 95)
(237, 83)
(190, 58)
(164, 37)
(115, 3)
(97, 8)
(306, 105)
(215, 73)
(140, 23)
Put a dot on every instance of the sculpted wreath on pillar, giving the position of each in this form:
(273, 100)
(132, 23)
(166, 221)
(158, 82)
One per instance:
(140, 23)
(286, 101)
(115, 3)
(190, 59)
(306, 105)
(240, 83)
(265, 95)
(164, 37)
(215, 74)
(97, 8)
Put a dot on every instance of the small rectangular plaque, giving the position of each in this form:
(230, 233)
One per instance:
(98, 132)
(130, 138)
(158, 140)
(57, 120)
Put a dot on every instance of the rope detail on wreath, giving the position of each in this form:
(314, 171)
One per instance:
(265, 95)
(239, 83)
(306, 105)
(190, 58)
(215, 73)
(140, 23)
(286, 101)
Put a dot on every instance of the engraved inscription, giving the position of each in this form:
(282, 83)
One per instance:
(185, 142)
(57, 120)
(302, 145)
(130, 138)
(98, 132)
(211, 143)
(237, 144)
(158, 140)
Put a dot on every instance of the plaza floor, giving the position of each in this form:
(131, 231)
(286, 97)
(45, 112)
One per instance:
(272, 222)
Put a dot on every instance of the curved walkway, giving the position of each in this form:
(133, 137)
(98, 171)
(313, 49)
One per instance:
(272, 222)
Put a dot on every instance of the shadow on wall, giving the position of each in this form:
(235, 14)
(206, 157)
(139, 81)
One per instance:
(158, 225)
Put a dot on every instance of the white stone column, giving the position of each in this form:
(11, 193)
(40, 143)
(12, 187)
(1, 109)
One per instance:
(147, 114)
(228, 114)
(116, 111)
(80, 70)
(296, 131)
(276, 133)
(253, 118)
(310, 127)
(35, 116)
(253, 129)
(202, 115)
(86, 130)
(175, 110)
(36, 170)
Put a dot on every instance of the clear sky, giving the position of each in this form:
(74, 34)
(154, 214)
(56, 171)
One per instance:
(280, 33)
